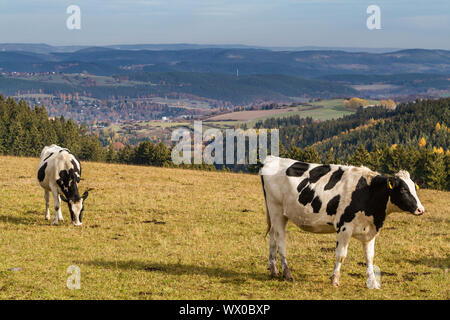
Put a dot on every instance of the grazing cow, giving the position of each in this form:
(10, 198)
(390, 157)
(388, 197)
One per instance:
(352, 201)
(59, 172)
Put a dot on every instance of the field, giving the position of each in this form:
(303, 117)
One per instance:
(318, 110)
(251, 114)
(158, 233)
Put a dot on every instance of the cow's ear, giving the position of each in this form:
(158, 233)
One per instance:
(85, 195)
(63, 198)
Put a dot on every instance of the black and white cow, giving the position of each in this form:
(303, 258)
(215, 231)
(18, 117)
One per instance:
(59, 172)
(352, 201)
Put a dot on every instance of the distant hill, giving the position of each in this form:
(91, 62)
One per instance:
(311, 63)
(395, 85)
(45, 48)
(237, 90)
(237, 75)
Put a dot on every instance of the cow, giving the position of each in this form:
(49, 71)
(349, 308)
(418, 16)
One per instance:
(59, 172)
(327, 198)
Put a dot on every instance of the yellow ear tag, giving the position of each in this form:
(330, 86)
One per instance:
(417, 187)
(390, 185)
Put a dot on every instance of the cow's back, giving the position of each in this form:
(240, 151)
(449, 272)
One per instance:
(53, 160)
(313, 196)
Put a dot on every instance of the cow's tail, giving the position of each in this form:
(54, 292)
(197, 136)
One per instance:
(269, 224)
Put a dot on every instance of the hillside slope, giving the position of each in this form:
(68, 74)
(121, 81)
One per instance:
(308, 63)
(157, 233)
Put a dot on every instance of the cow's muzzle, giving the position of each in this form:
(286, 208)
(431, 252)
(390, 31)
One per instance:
(419, 211)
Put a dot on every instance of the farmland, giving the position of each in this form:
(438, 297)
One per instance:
(159, 233)
(318, 110)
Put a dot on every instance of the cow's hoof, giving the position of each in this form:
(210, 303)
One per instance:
(273, 272)
(47, 217)
(274, 275)
(55, 222)
(373, 284)
(287, 275)
(61, 219)
(335, 281)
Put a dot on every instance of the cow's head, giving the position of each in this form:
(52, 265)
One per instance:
(403, 194)
(76, 207)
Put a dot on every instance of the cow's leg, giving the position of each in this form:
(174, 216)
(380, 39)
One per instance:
(57, 204)
(60, 216)
(273, 210)
(279, 225)
(369, 251)
(272, 254)
(343, 240)
(47, 204)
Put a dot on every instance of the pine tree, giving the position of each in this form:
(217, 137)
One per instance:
(431, 169)
(330, 158)
(311, 155)
(360, 157)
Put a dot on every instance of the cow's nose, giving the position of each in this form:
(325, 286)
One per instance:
(419, 211)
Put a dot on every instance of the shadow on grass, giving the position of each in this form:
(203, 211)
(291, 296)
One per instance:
(178, 269)
(434, 262)
(25, 219)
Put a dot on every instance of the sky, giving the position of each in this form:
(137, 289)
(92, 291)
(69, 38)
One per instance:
(292, 23)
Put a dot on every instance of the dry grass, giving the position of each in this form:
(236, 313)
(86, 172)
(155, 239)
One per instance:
(155, 233)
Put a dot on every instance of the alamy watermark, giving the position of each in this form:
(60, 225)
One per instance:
(199, 147)
(374, 20)
(74, 280)
(73, 22)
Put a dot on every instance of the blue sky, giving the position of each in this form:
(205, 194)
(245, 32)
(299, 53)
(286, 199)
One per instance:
(405, 24)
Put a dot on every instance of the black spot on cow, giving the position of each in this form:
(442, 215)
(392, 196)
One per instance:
(75, 166)
(297, 169)
(343, 229)
(48, 156)
(302, 185)
(78, 160)
(316, 204)
(72, 214)
(67, 182)
(41, 172)
(306, 196)
(76, 169)
(329, 223)
(318, 172)
(370, 199)
(334, 179)
(333, 205)
(401, 196)
(337, 243)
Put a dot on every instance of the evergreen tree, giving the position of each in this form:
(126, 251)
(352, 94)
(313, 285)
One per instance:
(431, 169)
(360, 157)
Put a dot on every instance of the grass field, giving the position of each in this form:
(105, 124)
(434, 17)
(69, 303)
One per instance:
(329, 109)
(156, 233)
